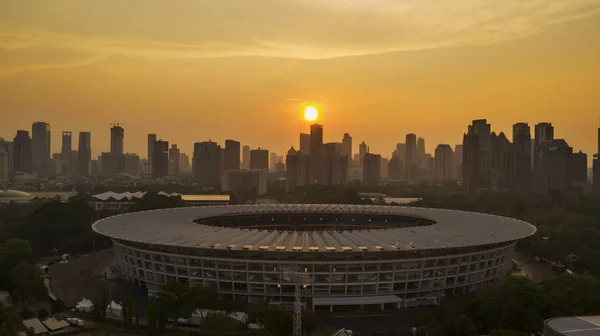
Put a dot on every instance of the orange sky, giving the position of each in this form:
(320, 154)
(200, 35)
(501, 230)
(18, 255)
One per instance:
(197, 70)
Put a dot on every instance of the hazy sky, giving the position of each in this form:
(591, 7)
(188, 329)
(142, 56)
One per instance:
(197, 70)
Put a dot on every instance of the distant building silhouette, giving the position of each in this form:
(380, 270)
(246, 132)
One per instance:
(553, 165)
(305, 143)
(232, 155)
(347, 146)
(246, 157)
(457, 158)
(206, 163)
(117, 139)
(522, 157)
(297, 169)
(174, 161)
(160, 159)
(316, 135)
(410, 158)
(253, 180)
(363, 149)
(151, 140)
(40, 148)
(443, 162)
(259, 159)
(372, 169)
(22, 152)
(84, 154)
(501, 162)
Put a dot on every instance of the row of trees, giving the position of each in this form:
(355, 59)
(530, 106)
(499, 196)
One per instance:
(515, 307)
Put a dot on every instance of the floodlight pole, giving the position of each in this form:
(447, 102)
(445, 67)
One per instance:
(298, 279)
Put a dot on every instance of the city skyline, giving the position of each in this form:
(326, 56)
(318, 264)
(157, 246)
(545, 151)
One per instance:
(506, 62)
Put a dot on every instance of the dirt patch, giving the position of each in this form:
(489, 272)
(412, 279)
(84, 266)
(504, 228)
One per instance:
(81, 277)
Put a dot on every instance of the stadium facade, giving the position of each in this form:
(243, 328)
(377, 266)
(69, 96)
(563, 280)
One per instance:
(356, 255)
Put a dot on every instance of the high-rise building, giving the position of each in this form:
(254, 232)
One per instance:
(84, 154)
(297, 169)
(596, 174)
(305, 144)
(347, 146)
(131, 164)
(67, 146)
(316, 135)
(477, 156)
(371, 169)
(236, 181)
(4, 161)
(395, 168)
(22, 152)
(363, 149)
(184, 163)
(501, 162)
(40, 147)
(151, 140)
(522, 157)
(598, 149)
(117, 138)
(421, 161)
(246, 157)
(578, 167)
(443, 162)
(232, 155)
(470, 162)
(335, 169)
(259, 159)
(457, 162)
(553, 166)
(410, 159)
(160, 159)
(174, 160)
(206, 163)
(385, 165)
(544, 131)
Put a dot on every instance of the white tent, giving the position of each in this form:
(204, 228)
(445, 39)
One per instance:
(114, 308)
(85, 305)
(239, 317)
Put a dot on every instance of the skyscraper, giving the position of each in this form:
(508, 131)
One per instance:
(84, 154)
(422, 162)
(395, 168)
(578, 167)
(470, 161)
(174, 158)
(160, 159)
(501, 162)
(544, 131)
(259, 159)
(40, 147)
(457, 158)
(4, 161)
(522, 157)
(335, 169)
(246, 157)
(363, 149)
(117, 138)
(347, 146)
(410, 152)
(297, 169)
(206, 163)
(151, 140)
(553, 166)
(304, 143)
(67, 147)
(598, 149)
(371, 169)
(443, 162)
(22, 152)
(232, 155)
(316, 135)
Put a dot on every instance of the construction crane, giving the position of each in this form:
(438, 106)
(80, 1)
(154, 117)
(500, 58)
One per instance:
(299, 279)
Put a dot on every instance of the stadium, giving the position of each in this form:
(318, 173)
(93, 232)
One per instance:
(357, 256)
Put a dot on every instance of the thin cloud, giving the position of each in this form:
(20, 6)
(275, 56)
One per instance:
(37, 67)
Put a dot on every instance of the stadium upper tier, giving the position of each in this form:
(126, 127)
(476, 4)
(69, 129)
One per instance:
(313, 228)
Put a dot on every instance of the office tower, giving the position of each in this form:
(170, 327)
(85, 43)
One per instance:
(544, 131)
(297, 169)
(596, 174)
(347, 146)
(385, 162)
(55, 166)
(117, 138)
(174, 163)
(151, 140)
(22, 154)
(470, 162)
(67, 147)
(410, 160)
(254, 180)
(131, 164)
(279, 167)
(578, 167)
(305, 144)
(477, 170)
(259, 159)
(443, 162)
(522, 157)
(232, 155)
(107, 164)
(457, 162)
(84, 154)
(316, 135)
(10, 150)
(395, 168)
(371, 169)
(598, 149)
(246, 157)
(160, 159)
(40, 147)
(553, 166)
(421, 161)
(4, 162)
(206, 163)
(401, 150)
(363, 149)
(335, 168)
(184, 163)
(501, 162)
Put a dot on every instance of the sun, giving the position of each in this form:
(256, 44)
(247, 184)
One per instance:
(311, 113)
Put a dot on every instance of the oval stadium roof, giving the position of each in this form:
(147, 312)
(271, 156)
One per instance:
(176, 227)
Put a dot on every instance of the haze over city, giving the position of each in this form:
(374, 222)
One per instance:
(196, 70)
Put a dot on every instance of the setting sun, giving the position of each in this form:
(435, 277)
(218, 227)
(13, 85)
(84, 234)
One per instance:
(311, 113)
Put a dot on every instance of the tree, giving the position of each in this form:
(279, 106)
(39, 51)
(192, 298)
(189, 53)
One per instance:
(174, 296)
(506, 332)
(36, 289)
(11, 324)
(137, 313)
(42, 313)
(217, 325)
(12, 253)
(151, 314)
(461, 326)
(203, 297)
(21, 275)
